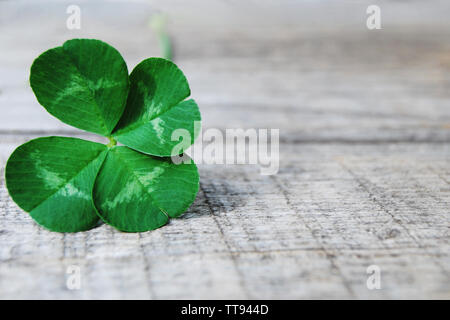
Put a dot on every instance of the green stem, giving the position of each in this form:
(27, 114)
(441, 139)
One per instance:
(158, 22)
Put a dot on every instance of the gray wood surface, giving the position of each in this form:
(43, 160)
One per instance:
(364, 179)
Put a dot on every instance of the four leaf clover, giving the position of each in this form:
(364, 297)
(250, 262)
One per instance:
(67, 184)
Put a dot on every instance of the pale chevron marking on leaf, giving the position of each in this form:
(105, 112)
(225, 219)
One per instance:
(158, 126)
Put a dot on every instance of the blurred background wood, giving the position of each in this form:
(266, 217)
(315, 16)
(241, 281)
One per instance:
(364, 119)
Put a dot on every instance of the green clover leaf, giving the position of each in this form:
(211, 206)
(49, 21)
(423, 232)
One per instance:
(155, 106)
(67, 184)
(129, 181)
(52, 179)
(84, 83)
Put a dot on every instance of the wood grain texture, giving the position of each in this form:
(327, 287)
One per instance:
(364, 179)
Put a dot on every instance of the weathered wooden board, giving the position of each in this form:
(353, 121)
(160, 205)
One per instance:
(309, 232)
(339, 82)
(364, 179)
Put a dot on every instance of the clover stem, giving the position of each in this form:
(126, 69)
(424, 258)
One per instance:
(158, 22)
(112, 142)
